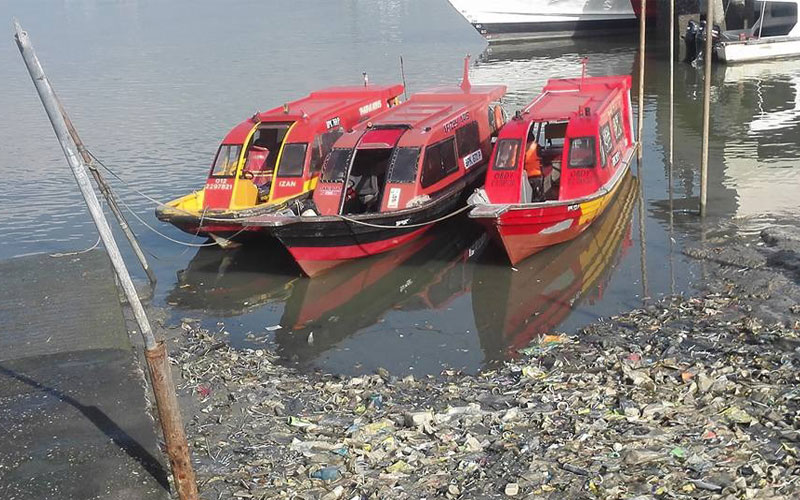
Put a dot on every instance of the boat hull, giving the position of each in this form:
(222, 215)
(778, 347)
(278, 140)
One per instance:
(524, 230)
(516, 20)
(736, 52)
(229, 224)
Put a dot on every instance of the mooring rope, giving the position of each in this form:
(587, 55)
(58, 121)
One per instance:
(421, 224)
(65, 254)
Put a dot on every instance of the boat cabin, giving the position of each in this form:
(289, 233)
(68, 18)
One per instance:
(278, 154)
(411, 153)
(775, 18)
(565, 144)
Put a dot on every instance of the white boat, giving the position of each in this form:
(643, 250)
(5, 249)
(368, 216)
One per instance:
(776, 34)
(514, 20)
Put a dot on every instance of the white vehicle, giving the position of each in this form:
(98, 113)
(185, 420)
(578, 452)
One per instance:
(776, 34)
(514, 20)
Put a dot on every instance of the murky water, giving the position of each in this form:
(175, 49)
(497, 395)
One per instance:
(153, 86)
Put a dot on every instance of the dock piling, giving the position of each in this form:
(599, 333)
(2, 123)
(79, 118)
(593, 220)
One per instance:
(640, 116)
(706, 108)
(166, 401)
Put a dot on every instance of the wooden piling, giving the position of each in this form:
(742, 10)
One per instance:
(166, 400)
(706, 108)
(640, 117)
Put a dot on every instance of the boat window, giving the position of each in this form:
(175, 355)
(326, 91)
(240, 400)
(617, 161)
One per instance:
(507, 154)
(292, 160)
(581, 152)
(607, 141)
(468, 139)
(334, 169)
(778, 20)
(226, 161)
(404, 165)
(440, 161)
(616, 122)
(323, 144)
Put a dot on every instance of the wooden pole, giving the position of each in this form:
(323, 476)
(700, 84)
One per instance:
(642, 233)
(642, 27)
(671, 141)
(166, 400)
(108, 194)
(706, 108)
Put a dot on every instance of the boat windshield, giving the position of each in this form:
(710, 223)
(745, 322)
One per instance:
(507, 154)
(336, 163)
(226, 161)
(404, 165)
(292, 160)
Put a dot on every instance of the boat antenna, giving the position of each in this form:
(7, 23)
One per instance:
(583, 69)
(465, 84)
(403, 76)
(366, 78)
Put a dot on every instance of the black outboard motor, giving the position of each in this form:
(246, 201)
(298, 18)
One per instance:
(689, 40)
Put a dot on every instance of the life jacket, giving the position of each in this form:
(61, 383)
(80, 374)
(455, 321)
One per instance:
(257, 164)
(533, 165)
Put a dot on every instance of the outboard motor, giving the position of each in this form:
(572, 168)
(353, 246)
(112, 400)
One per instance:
(689, 40)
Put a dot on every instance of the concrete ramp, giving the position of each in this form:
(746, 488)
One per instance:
(73, 419)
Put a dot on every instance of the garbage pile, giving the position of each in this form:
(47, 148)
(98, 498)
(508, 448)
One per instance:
(686, 398)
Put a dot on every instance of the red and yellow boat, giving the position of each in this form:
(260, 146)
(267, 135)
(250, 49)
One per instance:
(557, 164)
(273, 160)
(387, 181)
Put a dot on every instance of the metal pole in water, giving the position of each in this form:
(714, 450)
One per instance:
(155, 352)
(108, 194)
(641, 75)
(706, 108)
(671, 83)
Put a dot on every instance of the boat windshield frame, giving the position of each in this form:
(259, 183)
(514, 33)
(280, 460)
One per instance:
(336, 166)
(227, 170)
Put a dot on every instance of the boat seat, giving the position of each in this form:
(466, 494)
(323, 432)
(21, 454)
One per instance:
(367, 189)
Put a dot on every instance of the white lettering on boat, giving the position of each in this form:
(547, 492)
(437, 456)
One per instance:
(572, 208)
(402, 222)
(473, 158)
(369, 108)
(456, 122)
(220, 185)
(333, 122)
(329, 191)
(394, 198)
(285, 183)
(615, 158)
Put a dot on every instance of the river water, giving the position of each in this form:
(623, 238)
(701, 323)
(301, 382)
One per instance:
(152, 86)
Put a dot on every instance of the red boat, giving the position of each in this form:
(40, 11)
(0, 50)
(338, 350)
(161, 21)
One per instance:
(557, 164)
(514, 307)
(388, 180)
(296, 137)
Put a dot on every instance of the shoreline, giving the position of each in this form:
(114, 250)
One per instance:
(688, 397)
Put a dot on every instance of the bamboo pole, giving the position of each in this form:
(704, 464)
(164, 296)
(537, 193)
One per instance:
(640, 117)
(706, 108)
(166, 401)
(108, 194)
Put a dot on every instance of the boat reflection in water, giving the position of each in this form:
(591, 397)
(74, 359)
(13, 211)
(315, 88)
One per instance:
(513, 306)
(230, 283)
(427, 273)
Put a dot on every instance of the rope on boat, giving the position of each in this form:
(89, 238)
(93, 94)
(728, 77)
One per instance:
(150, 198)
(151, 228)
(404, 226)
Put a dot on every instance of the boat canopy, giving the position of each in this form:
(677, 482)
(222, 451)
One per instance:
(277, 154)
(566, 143)
(411, 151)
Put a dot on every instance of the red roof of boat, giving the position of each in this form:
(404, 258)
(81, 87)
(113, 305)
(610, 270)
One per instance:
(562, 99)
(319, 105)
